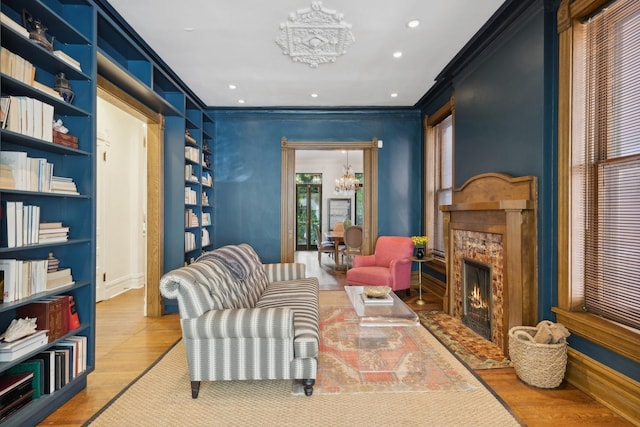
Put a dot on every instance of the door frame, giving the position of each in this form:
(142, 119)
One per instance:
(288, 190)
(155, 189)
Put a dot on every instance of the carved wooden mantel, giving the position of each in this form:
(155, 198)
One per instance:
(502, 205)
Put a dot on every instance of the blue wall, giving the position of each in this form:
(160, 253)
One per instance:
(506, 121)
(247, 168)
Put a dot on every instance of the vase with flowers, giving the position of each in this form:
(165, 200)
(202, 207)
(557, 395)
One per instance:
(419, 242)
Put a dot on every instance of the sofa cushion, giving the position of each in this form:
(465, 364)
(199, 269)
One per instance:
(302, 297)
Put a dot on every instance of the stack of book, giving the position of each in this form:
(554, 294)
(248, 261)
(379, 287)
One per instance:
(58, 278)
(14, 25)
(192, 153)
(190, 196)
(13, 350)
(16, 391)
(190, 174)
(189, 241)
(65, 139)
(190, 218)
(53, 232)
(380, 300)
(206, 179)
(66, 58)
(60, 184)
(206, 218)
(206, 239)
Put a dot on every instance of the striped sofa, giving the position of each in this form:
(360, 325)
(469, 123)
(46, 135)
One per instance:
(244, 320)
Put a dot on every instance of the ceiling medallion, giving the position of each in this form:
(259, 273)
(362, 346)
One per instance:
(315, 35)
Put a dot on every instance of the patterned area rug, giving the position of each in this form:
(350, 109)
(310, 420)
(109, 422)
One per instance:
(470, 347)
(356, 359)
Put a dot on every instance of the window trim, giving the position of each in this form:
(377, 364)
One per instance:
(436, 263)
(611, 335)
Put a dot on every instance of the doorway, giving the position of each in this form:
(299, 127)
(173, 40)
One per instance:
(149, 219)
(289, 194)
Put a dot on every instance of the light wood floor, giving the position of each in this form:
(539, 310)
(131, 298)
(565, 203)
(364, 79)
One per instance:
(127, 343)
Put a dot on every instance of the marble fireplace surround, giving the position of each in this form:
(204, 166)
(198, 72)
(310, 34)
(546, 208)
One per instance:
(492, 220)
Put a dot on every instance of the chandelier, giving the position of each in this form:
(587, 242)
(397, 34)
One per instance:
(347, 183)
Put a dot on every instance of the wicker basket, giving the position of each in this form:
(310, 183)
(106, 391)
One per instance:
(539, 365)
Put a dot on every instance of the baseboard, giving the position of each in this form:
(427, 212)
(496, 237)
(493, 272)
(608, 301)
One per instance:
(433, 285)
(619, 393)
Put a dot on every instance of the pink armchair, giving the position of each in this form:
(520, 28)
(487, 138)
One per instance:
(390, 265)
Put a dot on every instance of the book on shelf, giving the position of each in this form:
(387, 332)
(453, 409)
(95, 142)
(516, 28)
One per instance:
(16, 390)
(50, 314)
(48, 372)
(14, 25)
(19, 225)
(22, 278)
(32, 365)
(68, 59)
(29, 173)
(63, 185)
(65, 139)
(59, 278)
(14, 350)
(384, 300)
(30, 117)
(17, 67)
(46, 89)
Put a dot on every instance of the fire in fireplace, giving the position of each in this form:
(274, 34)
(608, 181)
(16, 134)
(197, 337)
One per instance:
(477, 301)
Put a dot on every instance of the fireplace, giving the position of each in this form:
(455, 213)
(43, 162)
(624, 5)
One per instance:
(491, 254)
(477, 304)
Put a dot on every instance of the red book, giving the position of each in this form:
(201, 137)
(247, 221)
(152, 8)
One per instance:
(74, 320)
(50, 314)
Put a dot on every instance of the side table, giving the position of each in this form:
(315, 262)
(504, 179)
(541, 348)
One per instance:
(420, 301)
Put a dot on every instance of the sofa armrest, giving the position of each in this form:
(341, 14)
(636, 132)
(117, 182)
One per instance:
(241, 323)
(277, 272)
(363, 261)
(396, 263)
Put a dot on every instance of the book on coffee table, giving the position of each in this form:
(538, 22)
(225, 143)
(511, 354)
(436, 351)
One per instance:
(384, 300)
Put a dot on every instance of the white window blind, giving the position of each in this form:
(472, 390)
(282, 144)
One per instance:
(606, 159)
(443, 135)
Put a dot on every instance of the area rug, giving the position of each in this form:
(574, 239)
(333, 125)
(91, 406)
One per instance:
(475, 351)
(353, 388)
(355, 359)
(162, 397)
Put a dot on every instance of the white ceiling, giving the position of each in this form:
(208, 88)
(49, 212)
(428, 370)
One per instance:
(233, 42)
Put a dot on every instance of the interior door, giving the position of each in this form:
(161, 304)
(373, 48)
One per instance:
(308, 213)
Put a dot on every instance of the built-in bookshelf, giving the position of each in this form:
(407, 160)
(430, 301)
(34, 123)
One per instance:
(28, 192)
(198, 180)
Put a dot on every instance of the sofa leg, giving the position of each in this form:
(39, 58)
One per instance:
(195, 389)
(308, 386)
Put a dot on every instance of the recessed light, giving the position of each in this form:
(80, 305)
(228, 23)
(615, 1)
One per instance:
(189, 29)
(394, 95)
(413, 23)
(240, 101)
(232, 86)
(397, 54)
(314, 95)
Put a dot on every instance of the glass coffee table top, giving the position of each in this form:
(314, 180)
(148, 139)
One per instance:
(395, 314)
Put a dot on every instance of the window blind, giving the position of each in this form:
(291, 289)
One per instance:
(444, 179)
(608, 166)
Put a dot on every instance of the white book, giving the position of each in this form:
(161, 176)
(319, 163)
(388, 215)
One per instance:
(47, 122)
(14, 25)
(30, 115)
(19, 224)
(11, 224)
(37, 119)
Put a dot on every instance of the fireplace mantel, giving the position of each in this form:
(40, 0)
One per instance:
(503, 210)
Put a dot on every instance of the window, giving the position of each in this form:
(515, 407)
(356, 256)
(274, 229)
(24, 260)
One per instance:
(599, 171)
(439, 174)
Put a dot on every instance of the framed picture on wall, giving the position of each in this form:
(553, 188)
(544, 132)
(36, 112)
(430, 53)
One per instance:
(339, 210)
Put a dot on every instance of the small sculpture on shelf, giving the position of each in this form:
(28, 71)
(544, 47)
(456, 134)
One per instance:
(19, 328)
(37, 31)
(63, 87)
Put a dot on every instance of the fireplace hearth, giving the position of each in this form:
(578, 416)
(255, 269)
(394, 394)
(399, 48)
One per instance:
(477, 308)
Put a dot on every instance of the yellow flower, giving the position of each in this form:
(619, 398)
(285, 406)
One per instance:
(419, 241)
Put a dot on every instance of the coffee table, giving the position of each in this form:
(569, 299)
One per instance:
(396, 314)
